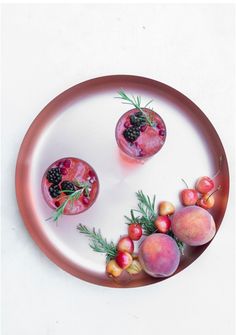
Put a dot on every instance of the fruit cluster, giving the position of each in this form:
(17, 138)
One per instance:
(54, 176)
(136, 124)
(125, 259)
(200, 195)
(164, 229)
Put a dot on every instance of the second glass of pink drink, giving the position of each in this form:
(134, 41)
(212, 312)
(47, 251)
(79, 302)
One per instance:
(140, 132)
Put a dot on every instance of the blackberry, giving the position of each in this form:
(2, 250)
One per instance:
(54, 191)
(68, 186)
(131, 134)
(137, 121)
(54, 176)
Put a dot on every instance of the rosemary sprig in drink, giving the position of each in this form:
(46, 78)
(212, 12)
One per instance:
(98, 243)
(82, 187)
(136, 102)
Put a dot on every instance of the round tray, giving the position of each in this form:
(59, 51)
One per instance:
(81, 123)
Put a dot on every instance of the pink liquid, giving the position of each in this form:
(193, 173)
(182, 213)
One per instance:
(80, 170)
(150, 140)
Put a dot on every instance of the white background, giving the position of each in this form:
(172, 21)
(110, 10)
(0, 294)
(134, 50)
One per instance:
(48, 48)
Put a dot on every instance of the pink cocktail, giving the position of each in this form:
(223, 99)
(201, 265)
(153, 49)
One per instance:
(140, 134)
(71, 182)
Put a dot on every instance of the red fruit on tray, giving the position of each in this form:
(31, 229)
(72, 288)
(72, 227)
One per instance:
(162, 223)
(159, 255)
(193, 225)
(67, 182)
(123, 259)
(135, 231)
(125, 244)
(189, 197)
(204, 184)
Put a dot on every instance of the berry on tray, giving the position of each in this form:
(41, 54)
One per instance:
(70, 186)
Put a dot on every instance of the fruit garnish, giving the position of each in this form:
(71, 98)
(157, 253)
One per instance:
(72, 192)
(136, 103)
(68, 187)
(131, 134)
(54, 191)
(54, 176)
(98, 243)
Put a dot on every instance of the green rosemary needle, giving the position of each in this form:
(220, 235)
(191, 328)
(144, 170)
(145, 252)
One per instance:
(98, 243)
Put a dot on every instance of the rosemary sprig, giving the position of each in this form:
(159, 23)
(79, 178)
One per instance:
(136, 102)
(98, 243)
(83, 187)
(146, 213)
(180, 244)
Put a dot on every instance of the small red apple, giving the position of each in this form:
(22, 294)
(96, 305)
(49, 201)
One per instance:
(162, 223)
(125, 244)
(204, 184)
(189, 197)
(123, 259)
(135, 231)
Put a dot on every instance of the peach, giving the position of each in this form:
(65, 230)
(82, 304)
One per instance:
(159, 255)
(193, 225)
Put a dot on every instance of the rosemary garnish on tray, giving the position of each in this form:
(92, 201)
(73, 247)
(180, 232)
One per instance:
(136, 103)
(98, 243)
(180, 244)
(146, 213)
(82, 188)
